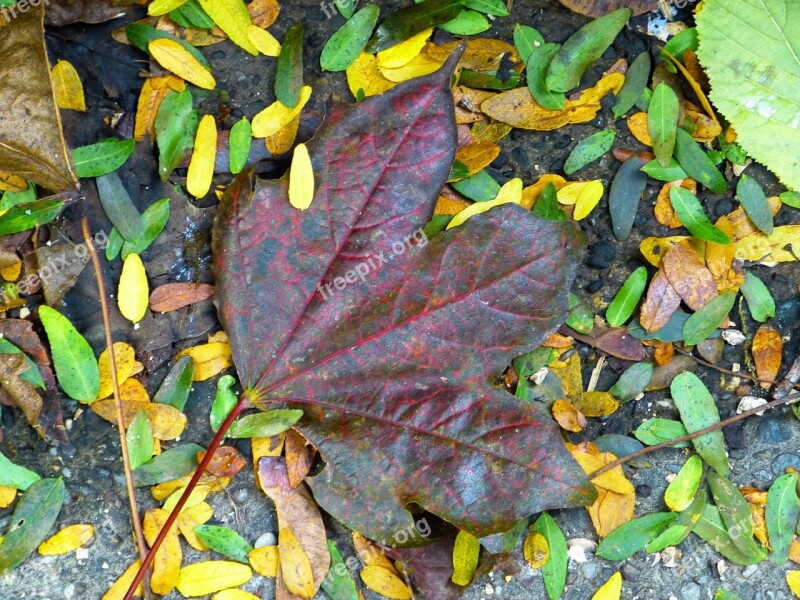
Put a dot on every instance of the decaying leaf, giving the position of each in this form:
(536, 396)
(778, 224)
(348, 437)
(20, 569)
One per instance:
(688, 276)
(767, 354)
(173, 296)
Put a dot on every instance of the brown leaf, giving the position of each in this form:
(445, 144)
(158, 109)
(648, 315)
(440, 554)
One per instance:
(664, 353)
(480, 54)
(31, 140)
(689, 276)
(597, 404)
(22, 394)
(663, 376)
(719, 260)
(173, 296)
(597, 8)
(767, 353)
(299, 456)
(568, 417)
(616, 342)
(665, 214)
(226, 462)
(743, 226)
(66, 12)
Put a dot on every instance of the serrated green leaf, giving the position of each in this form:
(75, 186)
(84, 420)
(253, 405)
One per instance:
(681, 491)
(657, 431)
(635, 83)
(588, 150)
(177, 384)
(697, 164)
(627, 539)
(662, 122)
(265, 424)
(755, 204)
(704, 322)
(692, 216)
(140, 440)
(554, 571)
(225, 541)
(14, 476)
(759, 300)
(345, 46)
(468, 22)
(698, 411)
(538, 63)
(736, 514)
(632, 382)
(102, 158)
(621, 307)
(240, 141)
(782, 515)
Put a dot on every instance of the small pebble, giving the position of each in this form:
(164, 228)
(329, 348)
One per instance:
(266, 539)
(489, 590)
(750, 570)
(733, 336)
(749, 403)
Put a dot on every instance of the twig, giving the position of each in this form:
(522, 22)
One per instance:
(137, 526)
(739, 374)
(685, 438)
(241, 405)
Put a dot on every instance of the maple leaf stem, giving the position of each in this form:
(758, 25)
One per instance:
(241, 405)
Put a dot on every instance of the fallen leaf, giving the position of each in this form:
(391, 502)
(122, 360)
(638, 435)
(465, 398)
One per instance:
(688, 276)
(598, 404)
(767, 354)
(265, 561)
(568, 417)
(263, 41)
(203, 578)
(301, 179)
(365, 79)
(401, 54)
(22, 393)
(698, 411)
(172, 296)
(124, 359)
(154, 90)
(190, 518)
(613, 480)
(536, 550)
(201, 167)
(611, 589)
(385, 583)
(210, 359)
(66, 540)
(118, 590)
(299, 457)
(637, 124)
(478, 155)
(133, 289)
(166, 421)
(770, 249)
(681, 491)
(465, 558)
(233, 18)
(611, 510)
(175, 58)
(67, 87)
(660, 303)
(277, 116)
(598, 8)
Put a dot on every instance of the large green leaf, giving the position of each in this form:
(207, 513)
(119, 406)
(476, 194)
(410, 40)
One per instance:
(751, 51)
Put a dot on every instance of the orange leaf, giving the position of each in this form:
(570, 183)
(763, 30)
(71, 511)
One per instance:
(568, 417)
(173, 296)
(660, 303)
(767, 353)
(689, 276)
(611, 510)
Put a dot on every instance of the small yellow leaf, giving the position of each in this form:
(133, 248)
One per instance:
(12, 183)
(401, 54)
(465, 558)
(264, 41)
(613, 480)
(419, 66)
(597, 404)
(235, 594)
(196, 497)
(611, 589)
(134, 292)
(124, 358)
(209, 359)
(67, 87)
(233, 18)
(277, 116)
(793, 579)
(295, 565)
(121, 585)
(386, 583)
(68, 539)
(175, 58)
(162, 7)
(536, 550)
(203, 578)
(167, 562)
(301, 179)
(478, 155)
(11, 272)
(166, 421)
(264, 561)
(201, 167)
(587, 199)
(7, 495)
(364, 75)
(637, 123)
(510, 192)
(281, 142)
(191, 517)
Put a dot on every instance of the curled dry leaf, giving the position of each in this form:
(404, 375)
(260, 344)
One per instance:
(568, 417)
(767, 354)
(688, 276)
(172, 296)
(21, 393)
(299, 457)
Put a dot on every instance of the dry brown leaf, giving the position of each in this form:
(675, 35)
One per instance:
(22, 393)
(665, 214)
(654, 248)
(767, 353)
(660, 303)
(719, 260)
(706, 129)
(568, 417)
(167, 562)
(598, 8)
(689, 277)
(299, 456)
(264, 13)
(226, 462)
(664, 353)
(558, 341)
(611, 510)
(173, 296)
(743, 226)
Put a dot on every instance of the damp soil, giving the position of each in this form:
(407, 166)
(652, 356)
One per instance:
(760, 448)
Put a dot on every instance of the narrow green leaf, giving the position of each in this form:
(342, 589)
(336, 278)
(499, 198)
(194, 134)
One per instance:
(465, 558)
(265, 424)
(225, 541)
(495, 8)
(735, 512)
(791, 199)
(289, 74)
(635, 83)
(171, 464)
(691, 214)
(177, 384)
(554, 571)
(119, 207)
(674, 172)
(114, 245)
(621, 307)
(712, 529)
(140, 440)
(526, 40)
(345, 7)
(10, 199)
(759, 300)
(224, 401)
(697, 164)
(662, 122)
(27, 216)
(681, 527)
(677, 45)
(176, 125)
(538, 63)
(32, 374)
(698, 411)
(583, 48)
(102, 158)
(14, 476)
(193, 14)
(625, 195)
(705, 321)
(755, 204)
(782, 515)
(632, 382)
(681, 491)
(479, 187)
(34, 516)
(408, 22)
(467, 22)
(588, 150)
(657, 431)
(547, 205)
(73, 358)
(488, 80)
(154, 219)
(339, 583)
(141, 35)
(240, 142)
(627, 539)
(344, 46)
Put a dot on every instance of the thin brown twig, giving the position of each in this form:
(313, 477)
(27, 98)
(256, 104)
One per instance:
(137, 526)
(741, 375)
(685, 438)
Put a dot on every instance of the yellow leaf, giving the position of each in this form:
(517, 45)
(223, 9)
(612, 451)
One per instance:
(370, 554)
(281, 142)
(175, 58)
(611, 589)
(67, 87)
(654, 248)
(301, 179)
(478, 155)
(597, 404)
(386, 583)
(266, 446)
(203, 578)
(12, 272)
(166, 421)
(132, 390)
(295, 565)
(613, 480)
(770, 249)
(134, 292)
(483, 131)
(536, 550)
(12, 183)
(124, 358)
(611, 510)
(277, 116)
(637, 123)
(198, 495)
(264, 41)
(7, 495)
(121, 585)
(233, 18)
(364, 75)
(447, 205)
(485, 54)
(235, 594)
(530, 194)
(264, 561)
(162, 7)
(167, 562)
(68, 539)
(510, 192)
(419, 66)
(401, 54)
(191, 517)
(201, 167)
(583, 194)
(209, 359)
(152, 95)
(465, 558)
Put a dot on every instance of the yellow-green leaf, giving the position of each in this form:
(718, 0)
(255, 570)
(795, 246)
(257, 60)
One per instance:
(681, 490)
(465, 558)
(162, 7)
(175, 58)
(301, 179)
(201, 168)
(233, 18)
(134, 292)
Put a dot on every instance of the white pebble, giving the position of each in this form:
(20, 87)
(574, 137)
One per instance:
(266, 539)
(749, 403)
(733, 336)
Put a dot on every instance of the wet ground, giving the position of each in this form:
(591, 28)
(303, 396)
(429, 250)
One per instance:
(760, 449)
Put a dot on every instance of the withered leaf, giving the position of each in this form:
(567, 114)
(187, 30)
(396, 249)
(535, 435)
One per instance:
(767, 354)
(660, 303)
(597, 8)
(689, 276)
(22, 393)
(172, 296)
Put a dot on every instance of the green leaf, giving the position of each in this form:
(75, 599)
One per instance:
(625, 195)
(480, 187)
(705, 321)
(458, 171)
(635, 83)
(627, 539)
(240, 141)
(752, 63)
(726, 595)
(657, 431)
(538, 63)
(27, 216)
(755, 204)
(177, 384)
(408, 22)
(102, 158)
(468, 22)
(225, 541)
(32, 520)
(621, 307)
(176, 125)
(692, 216)
(662, 122)
(681, 527)
(547, 205)
(140, 440)
(488, 80)
(736, 514)
(265, 424)
(495, 8)
(580, 318)
(224, 401)
(698, 411)
(346, 7)
(712, 529)
(526, 40)
(154, 219)
(73, 358)
(349, 41)
(289, 74)
(14, 476)
(554, 571)
(114, 245)
(782, 515)
(674, 172)
(465, 558)
(10, 199)
(588, 150)
(677, 45)
(632, 382)
(193, 14)
(681, 491)
(759, 300)
(697, 164)
(32, 374)
(791, 199)
(583, 48)
(171, 464)
(141, 35)
(119, 207)
(338, 583)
